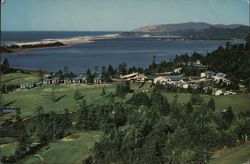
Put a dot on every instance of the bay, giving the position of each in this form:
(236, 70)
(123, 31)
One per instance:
(133, 51)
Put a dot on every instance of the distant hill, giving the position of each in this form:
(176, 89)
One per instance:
(174, 27)
(195, 30)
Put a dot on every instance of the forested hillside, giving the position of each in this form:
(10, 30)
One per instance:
(149, 129)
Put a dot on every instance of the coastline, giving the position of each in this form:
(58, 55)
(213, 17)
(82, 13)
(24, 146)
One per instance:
(49, 43)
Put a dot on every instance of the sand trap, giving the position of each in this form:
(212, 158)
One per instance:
(73, 137)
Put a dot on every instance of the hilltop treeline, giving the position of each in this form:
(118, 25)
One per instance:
(233, 60)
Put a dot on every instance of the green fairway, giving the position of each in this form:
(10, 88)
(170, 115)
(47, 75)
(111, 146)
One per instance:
(71, 149)
(236, 155)
(19, 78)
(239, 103)
(7, 149)
(30, 99)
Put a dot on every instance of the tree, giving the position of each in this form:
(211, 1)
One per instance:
(66, 118)
(96, 69)
(104, 70)
(122, 89)
(66, 71)
(5, 66)
(82, 120)
(160, 103)
(89, 76)
(77, 95)
(211, 104)
(228, 117)
(103, 92)
(40, 74)
(122, 69)
(53, 96)
(23, 144)
(59, 74)
(40, 123)
(110, 70)
(196, 99)
(140, 99)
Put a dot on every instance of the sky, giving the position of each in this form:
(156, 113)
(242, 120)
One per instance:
(116, 15)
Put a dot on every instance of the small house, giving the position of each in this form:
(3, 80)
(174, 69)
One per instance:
(67, 80)
(46, 81)
(6, 110)
(185, 86)
(175, 80)
(78, 80)
(27, 85)
(220, 74)
(207, 74)
(98, 79)
(218, 92)
(229, 93)
(177, 70)
(55, 80)
(134, 77)
(161, 80)
(197, 63)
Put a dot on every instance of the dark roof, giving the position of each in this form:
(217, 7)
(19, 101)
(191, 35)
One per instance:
(175, 78)
(220, 74)
(151, 77)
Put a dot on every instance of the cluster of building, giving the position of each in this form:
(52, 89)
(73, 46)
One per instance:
(181, 81)
(174, 78)
(55, 80)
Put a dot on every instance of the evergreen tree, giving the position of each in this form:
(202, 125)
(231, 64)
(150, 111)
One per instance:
(89, 76)
(40, 74)
(110, 70)
(5, 66)
(23, 144)
(211, 104)
(122, 69)
(82, 120)
(53, 96)
(103, 92)
(77, 95)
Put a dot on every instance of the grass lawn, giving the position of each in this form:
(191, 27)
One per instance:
(30, 99)
(7, 149)
(240, 102)
(71, 149)
(236, 155)
(19, 78)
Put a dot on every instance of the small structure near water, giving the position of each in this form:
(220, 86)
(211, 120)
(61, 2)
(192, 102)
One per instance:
(6, 110)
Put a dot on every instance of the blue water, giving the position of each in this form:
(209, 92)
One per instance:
(133, 51)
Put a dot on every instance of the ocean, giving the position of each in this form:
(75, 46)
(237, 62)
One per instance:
(133, 51)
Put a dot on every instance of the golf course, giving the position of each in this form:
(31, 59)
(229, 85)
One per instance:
(75, 147)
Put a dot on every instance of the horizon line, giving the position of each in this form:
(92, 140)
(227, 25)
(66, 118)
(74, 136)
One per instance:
(241, 24)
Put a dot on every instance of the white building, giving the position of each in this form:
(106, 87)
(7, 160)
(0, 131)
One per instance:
(134, 77)
(229, 93)
(161, 80)
(218, 92)
(177, 70)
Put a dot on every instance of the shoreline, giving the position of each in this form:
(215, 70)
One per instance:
(13, 49)
(50, 43)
